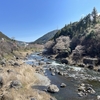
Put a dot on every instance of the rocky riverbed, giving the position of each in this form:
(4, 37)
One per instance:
(17, 79)
(78, 83)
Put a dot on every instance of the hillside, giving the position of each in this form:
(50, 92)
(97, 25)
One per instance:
(78, 39)
(46, 37)
(7, 46)
(3, 36)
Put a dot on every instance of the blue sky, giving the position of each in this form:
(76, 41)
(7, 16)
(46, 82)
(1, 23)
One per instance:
(28, 20)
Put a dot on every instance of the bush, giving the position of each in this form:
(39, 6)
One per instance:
(91, 35)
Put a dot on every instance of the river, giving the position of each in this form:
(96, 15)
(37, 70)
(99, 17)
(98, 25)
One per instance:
(73, 77)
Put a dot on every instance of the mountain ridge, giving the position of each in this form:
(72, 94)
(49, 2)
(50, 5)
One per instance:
(43, 39)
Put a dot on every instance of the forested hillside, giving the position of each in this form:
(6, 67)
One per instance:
(46, 37)
(78, 39)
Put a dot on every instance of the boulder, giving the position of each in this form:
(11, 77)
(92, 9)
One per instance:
(16, 64)
(15, 84)
(90, 61)
(53, 98)
(85, 89)
(48, 62)
(90, 66)
(64, 61)
(3, 63)
(63, 54)
(98, 97)
(53, 88)
(56, 70)
(90, 90)
(53, 74)
(63, 85)
(99, 70)
(33, 98)
(81, 65)
(81, 88)
(60, 73)
(1, 82)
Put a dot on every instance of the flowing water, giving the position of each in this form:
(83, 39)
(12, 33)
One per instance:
(73, 77)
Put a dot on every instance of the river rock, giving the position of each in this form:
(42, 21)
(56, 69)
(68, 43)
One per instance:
(16, 64)
(99, 70)
(53, 99)
(64, 61)
(33, 98)
(48, 62)
(90, 66)
(15, 84)
(53, 88)
(90, 90)
(81, 65)
(60, 73)
(98, 97)
(85, 89)
(53, 74)
(56, 70)
(63, 85)
(81, 88)
(3, 63)
(1, 82)
(52, 69)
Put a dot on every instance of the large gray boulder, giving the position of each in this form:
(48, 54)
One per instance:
(53, 88)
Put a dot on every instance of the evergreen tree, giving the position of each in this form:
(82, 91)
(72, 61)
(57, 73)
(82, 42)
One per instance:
(94, 14)
(89, 19)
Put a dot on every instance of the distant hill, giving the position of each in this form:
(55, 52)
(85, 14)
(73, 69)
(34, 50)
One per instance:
(7, 46)
(46, 37)
(3, 36)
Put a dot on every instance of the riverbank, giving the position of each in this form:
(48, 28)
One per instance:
(72, 76)
(17, 79)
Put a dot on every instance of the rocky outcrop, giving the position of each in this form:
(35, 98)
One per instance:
(53, 88)
(64, 61)
(91, 61)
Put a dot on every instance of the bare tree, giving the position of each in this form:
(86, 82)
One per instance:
(49, 46)
(62, 43)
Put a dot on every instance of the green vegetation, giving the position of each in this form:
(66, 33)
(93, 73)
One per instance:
(85, 32)
(79, 28)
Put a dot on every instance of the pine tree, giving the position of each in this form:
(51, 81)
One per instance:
(94, 14)
(89, 19)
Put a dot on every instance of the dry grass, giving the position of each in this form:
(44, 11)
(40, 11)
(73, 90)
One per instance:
(26, 75)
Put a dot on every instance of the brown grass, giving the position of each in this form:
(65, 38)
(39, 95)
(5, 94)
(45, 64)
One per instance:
(25, 74)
